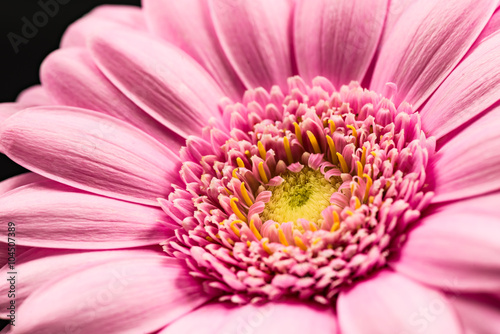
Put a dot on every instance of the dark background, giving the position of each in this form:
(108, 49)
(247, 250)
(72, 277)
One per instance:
(20, 70)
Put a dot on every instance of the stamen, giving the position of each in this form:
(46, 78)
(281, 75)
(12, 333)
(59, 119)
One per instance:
(262, 172)
(234, 173)
(354, 133)
(299, 243)
(254, 230)
(288, 151)
(237, 211)
(240, 162)
(333, 127)
(266, 247)
(343, 164)
(336, 222)
(369, 183)
(313, 141)
(248, 154)
(363, 156)
(244, 193)
(282, 238)
(333, 150)
(234, 228)
(358, 203)
(298, 133)
(262, 150)
(360, 169)
(313, 227)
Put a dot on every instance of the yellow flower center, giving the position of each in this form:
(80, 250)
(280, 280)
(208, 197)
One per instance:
(301, 195)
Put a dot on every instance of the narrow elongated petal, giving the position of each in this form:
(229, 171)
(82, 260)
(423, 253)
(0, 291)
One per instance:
(446, 251)
(49, 214)
(8, 254)
(470, 89)
(467, 165)
(161, 79)
(491, 28)
(137, 295)
(39, 266)
(101, 19)
(396, 9)
(90, 151)
(188, 25)
(220, 318)
(256, 36)
(34, 96)
(8, 109)
(390, 303)
(479, 314)
(71, 78)
(337, 39)
(427, 42)
(19, 181)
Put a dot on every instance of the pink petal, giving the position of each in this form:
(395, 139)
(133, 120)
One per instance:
(472, 87)
(71, 78)
(284, 317)
(188, 25)
(34, 96)
(467, 165)
(456, 248)
(19, 181)
(161, 79)
(390, 303)
(8, 109)
(6, 252)
(39, 266)
(101, 19)
(491, 28)
(256, 37)
(337, 39)
(90, 151)
(479, 314)
(396, 9)
(427, 42)
(48, 214)
(136, 295)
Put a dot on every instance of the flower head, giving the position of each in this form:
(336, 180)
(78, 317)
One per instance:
(300, 194)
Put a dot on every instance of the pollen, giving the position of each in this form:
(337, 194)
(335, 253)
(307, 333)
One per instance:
(301, 195)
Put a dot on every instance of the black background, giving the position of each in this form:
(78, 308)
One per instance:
(20, 70)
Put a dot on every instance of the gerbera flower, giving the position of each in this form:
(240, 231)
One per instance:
(306, 166)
